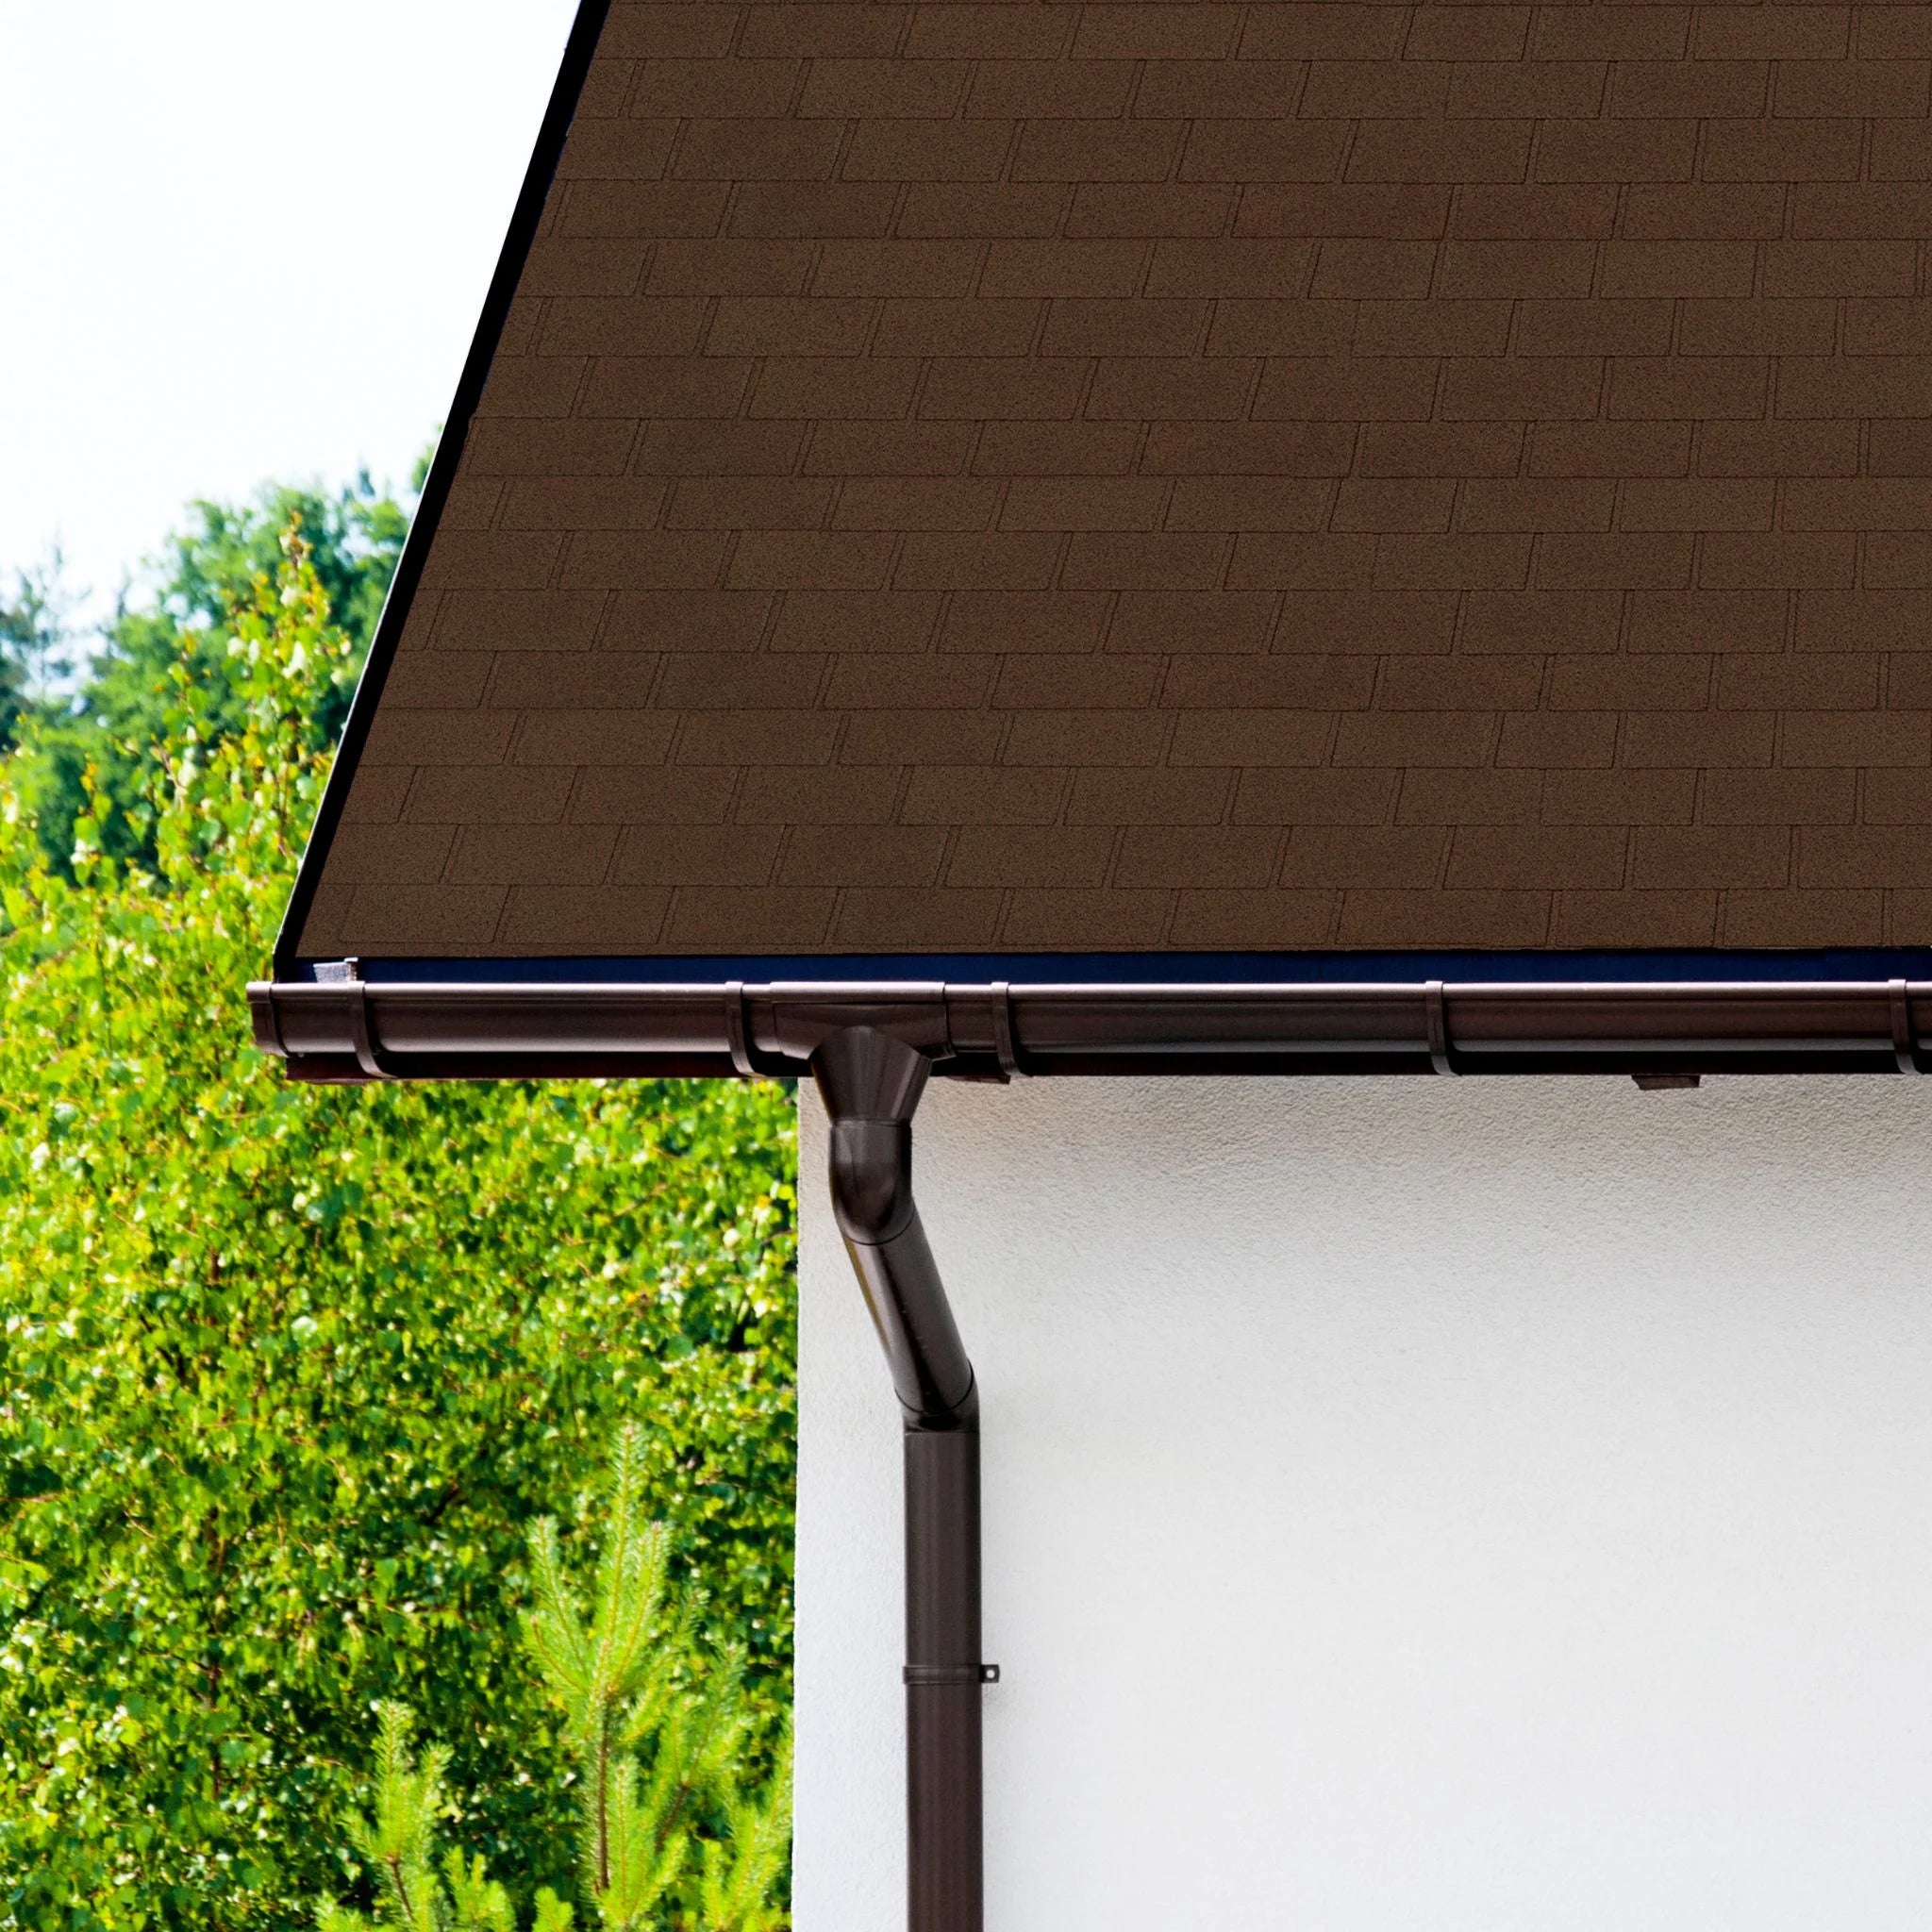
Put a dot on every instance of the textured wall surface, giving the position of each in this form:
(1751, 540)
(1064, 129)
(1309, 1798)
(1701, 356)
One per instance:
(1470, 1506)
(1189, 475)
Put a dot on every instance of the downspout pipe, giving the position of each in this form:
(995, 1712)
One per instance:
(870, 1083)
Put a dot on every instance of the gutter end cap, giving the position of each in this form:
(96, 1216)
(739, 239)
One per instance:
(261, 1012)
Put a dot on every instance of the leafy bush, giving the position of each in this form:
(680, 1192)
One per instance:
(681, 1839)
(286, 1373)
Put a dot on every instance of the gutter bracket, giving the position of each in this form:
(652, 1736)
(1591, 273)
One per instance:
(1905, 1045)
(368, 1054)
(1003, 1043)
(347, 975)
(738, 1035)
(1437, 1011)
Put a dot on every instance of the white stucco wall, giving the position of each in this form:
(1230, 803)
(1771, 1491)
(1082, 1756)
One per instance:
(1411, 1507)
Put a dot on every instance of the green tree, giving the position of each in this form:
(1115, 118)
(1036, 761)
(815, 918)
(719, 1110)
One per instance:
(286, 1373)
(135, 696)
(625, 1678)
(34, 641)
(398, 1844)
(677, 1831)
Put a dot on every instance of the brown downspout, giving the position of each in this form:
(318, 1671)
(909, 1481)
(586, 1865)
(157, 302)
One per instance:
(871, 1084)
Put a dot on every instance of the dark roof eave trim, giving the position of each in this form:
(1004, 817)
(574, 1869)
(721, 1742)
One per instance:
(355, 1030)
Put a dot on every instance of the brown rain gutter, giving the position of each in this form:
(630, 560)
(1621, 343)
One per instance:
(871, 1049)
(350, 1029)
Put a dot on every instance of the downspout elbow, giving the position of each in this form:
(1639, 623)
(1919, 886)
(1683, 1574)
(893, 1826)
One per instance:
(872, 1084)
(871, 1180)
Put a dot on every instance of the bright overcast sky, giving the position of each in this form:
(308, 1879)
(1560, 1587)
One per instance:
(241, 239)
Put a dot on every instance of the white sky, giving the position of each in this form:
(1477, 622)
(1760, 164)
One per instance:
(241, 239)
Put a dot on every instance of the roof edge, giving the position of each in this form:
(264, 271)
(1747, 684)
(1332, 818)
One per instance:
(1354, 966)
(526, 219)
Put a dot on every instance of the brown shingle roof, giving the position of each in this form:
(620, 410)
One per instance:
(972, 477)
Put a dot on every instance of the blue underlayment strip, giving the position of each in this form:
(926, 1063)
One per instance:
(1199, 969)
